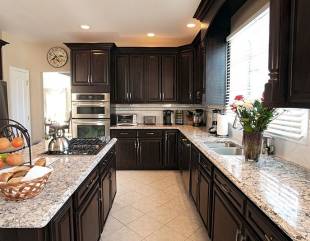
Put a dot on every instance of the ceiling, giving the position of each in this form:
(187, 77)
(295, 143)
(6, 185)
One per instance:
(124, 22)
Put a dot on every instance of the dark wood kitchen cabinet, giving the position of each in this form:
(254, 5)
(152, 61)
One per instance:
(289, 51)
(204, 189)
(90, 67)
(185, 87)
(105, 187)
(87, 217)
(194, 174)
(121, 79)
(170, 149)
(136, 90)
(150, 153)
(153, 78)
(224, 215)
(169, 78)
(127, 154)
(62, 226)
(184, 156)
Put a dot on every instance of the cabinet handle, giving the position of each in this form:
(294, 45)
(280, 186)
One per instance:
(123, 133)
(225, 188)
(160, 95)
(127, 96)
(267, 238)
(190, 95)
(150, 133)
(237, 235)
(163, 96)
(130, 96)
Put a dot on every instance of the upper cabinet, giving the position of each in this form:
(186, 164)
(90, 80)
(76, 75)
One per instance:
(90, 67)
(141, 76)
(2, 43)
(289, 84)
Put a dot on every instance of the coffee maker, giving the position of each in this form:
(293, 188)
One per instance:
(213, 128)
(167, 117)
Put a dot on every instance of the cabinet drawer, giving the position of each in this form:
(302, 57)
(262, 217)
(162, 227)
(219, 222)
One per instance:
(124, 133)
(86, 186)
(233, 194)
(150, 133)
(106, 160)
(262, 225)
(206, 165)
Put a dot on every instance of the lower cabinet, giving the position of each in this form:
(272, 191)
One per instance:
(194, 174)
(113, 179)
(88, 217)
(205, 199)
(62, 226)
(126, 154)
(170, 149)
(225, 216)
(150, 153)
(105, 196)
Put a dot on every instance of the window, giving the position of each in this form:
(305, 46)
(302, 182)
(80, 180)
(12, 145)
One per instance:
(247, 73)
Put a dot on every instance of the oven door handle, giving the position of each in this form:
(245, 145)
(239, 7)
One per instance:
(103, 104)
(90, 122)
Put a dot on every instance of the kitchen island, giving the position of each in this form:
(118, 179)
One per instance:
(79, 193)
(272, 189)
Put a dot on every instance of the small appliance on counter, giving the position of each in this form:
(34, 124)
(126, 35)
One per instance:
(198, 117)
(179, 117)
(213, 128)
(222, 125)
(167, 117)
(59, 143)
(149, 120)
(126, 119)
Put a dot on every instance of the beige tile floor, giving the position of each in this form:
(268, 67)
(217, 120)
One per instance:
(152, 206)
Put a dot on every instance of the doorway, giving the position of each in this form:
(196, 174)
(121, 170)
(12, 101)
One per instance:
(19, 96)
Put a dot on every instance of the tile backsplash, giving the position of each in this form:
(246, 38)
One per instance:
(152, 110)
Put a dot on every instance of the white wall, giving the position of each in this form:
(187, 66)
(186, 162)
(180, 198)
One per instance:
(32, 56)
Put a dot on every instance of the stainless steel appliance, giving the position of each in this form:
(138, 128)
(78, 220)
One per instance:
(91, 128)
(3, 103)
(149, 120)
(167, 119)
(198, 117)
(91, 115)
(94, 105)
(126, 119)
(213, 128)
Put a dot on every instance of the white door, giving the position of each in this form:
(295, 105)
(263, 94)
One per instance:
(19, 96)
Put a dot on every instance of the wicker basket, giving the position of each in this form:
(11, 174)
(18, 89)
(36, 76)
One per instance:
(23, 190)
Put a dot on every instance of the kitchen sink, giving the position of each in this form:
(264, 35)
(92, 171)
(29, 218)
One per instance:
(225, 148)
(228, 150)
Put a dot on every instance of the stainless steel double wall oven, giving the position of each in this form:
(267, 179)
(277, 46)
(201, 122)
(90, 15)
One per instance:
(90, 115)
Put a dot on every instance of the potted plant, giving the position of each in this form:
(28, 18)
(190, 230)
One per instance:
(254, 117)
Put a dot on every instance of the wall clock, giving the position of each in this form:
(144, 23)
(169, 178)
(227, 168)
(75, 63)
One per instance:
(57, 57)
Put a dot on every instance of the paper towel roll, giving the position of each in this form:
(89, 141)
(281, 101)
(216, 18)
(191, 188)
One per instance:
(222, 125)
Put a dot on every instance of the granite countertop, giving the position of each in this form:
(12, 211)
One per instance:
(69, 172)
(278, 187)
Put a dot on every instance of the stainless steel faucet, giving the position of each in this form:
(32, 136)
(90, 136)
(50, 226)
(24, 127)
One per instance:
(268, 147)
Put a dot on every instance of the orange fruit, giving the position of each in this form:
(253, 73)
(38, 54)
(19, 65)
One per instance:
(17, 142)
(2, 163)
(15, 159)
(4, 144)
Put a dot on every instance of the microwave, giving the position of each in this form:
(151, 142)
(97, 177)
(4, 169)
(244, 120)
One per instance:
(126, 119)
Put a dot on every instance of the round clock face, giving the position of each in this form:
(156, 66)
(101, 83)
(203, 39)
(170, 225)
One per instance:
(57, 57)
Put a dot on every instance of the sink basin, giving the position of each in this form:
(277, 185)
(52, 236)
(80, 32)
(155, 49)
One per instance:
(228, 150)
(221, 144)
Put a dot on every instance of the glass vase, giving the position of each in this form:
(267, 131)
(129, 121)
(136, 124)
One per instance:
(252, 144)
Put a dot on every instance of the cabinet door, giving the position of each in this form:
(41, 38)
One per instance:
(62, 224)
(224, 215)
(205, 199)
(170, 161)
(168, 78)
(137, 85)
(153, 78)
(194, 174)
(150, 153)
(88, 217)
(299, 84)
(113, 178)
(105, 196)
(80, 67)
(121, 73)
(186, 78)
(185, 156)
(126, 153)
(100, 67)
(199, 65)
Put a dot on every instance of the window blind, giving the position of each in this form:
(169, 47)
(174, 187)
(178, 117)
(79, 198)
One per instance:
(291, 124)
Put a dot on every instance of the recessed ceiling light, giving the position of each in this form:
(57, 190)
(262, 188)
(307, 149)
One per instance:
(84, 26)
(151, 35)
(191, 25)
